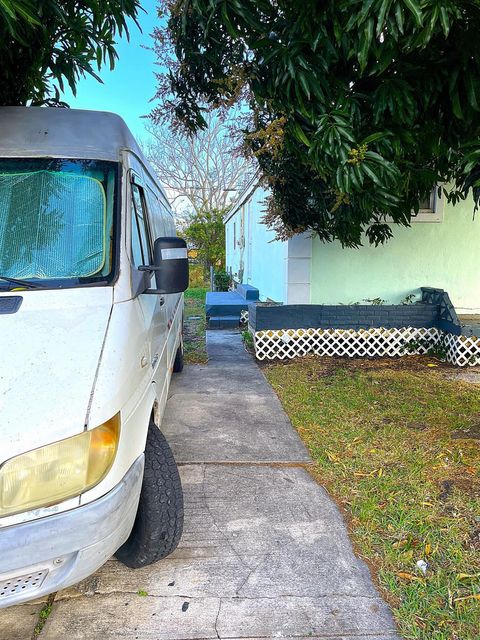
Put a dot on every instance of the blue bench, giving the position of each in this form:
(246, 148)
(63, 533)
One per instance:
(247, 291)
(223, 308)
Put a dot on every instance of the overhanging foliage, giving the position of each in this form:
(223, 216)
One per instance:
(47, 43)
(358, 107)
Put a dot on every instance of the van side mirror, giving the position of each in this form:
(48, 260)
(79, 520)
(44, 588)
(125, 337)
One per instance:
(170, 264)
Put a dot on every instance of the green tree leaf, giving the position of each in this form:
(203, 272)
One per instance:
(414, 7)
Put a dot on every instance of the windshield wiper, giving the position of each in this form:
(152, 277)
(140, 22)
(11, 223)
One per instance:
(20, 283)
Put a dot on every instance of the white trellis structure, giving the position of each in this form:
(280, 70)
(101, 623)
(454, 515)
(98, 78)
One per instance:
(462, 351)
(377, 342)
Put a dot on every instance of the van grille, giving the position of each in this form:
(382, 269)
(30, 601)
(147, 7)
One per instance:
(27, 582)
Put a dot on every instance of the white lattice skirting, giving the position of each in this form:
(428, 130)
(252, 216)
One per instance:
(378, 342)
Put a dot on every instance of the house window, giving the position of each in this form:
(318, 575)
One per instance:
(234, 235)
(431, 209)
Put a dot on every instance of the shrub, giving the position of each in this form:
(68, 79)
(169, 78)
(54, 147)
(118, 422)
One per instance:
(222, 280)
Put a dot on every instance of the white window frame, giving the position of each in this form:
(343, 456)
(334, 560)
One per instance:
(435, 212)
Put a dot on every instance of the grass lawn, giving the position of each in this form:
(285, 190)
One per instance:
(397, 444)
(194, 329)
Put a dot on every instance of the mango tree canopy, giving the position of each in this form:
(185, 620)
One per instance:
(357, 108)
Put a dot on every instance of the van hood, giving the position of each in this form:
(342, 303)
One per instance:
(50, 348)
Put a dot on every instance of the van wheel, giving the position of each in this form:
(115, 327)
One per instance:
(178, 362)
(159, 522)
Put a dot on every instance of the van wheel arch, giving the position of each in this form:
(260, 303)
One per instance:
(179, 362)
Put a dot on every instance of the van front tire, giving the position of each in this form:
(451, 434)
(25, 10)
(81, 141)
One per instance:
(159, 521)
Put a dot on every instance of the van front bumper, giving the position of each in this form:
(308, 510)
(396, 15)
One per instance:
(45, 555)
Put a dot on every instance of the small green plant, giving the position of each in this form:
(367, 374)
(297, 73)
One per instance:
(142, 593)
(412, 346)
(408, 299)
(43, 615)
(376, 302)
(437, 349)
(248, 339)
(222, 280)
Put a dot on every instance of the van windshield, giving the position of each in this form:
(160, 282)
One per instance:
(56, 221)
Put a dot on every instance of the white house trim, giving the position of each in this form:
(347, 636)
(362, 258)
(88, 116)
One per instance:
(298, 269)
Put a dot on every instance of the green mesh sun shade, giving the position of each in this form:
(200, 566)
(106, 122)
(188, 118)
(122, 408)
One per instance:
(52, 225)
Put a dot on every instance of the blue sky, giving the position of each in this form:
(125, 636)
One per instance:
(128, 88)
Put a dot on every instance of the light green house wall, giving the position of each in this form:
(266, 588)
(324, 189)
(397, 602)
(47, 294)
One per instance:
(443, 254)
(435, 254)
(252, 253)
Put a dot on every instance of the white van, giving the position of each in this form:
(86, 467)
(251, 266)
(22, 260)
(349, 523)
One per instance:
(91, 311)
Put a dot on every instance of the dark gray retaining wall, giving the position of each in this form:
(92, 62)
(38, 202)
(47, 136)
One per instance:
(304, 316)
(447, 316)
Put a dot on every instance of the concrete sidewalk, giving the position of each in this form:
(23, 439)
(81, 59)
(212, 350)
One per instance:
(265, 553)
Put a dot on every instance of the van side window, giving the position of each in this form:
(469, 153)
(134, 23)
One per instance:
(168, 220)
(156, 215)
(141, 245)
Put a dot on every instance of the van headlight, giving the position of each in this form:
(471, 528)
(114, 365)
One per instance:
(58, 471)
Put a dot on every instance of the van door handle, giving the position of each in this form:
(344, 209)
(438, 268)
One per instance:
(162, 301)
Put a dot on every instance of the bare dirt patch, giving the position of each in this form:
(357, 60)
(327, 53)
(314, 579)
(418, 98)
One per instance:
(471, 432)
(326, 366)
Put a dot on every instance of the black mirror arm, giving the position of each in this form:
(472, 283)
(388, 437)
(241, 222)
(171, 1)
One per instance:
(148, 267)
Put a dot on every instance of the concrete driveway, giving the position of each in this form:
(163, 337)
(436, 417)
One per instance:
(264, 554)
